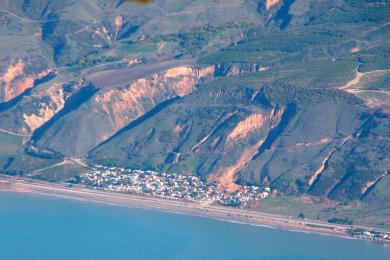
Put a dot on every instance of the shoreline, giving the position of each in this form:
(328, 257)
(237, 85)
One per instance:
(228, 214)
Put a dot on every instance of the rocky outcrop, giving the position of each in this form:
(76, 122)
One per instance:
(126, 105)
(55, 102)
(246, 127)
(229, 69)
(15, 81)
(190, 72)
(102, 114)
(225, 177)
(270, 3)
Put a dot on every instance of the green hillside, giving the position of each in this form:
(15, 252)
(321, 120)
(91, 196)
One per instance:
(295, 97)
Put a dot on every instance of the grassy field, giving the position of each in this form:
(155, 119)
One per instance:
(314, 208)
(61, 172)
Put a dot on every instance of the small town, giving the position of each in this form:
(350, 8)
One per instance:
(184, 188)
(369, 235)
(169, 186)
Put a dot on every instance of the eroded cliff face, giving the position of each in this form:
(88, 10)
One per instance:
(126, 105)
(230, 69)
(370, 184)
(246, 127)
(225, 177)
(270, 3)
(47, 107)
(325, 161)
(15, 81)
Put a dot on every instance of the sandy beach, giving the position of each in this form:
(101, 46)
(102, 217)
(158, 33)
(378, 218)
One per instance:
(137, 201)
(6, 186)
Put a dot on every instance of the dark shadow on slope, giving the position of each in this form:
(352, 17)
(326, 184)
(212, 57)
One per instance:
(370, 189)
(262, 101)
(72, 103)
(335, 192)
(9, 104)
(187, 134)
(57, 42)
(43, 153)
(290, 112)
(8, 163)
(369, 124)
(139, 121)
(275, 133)
(127, 33)
(283, 14)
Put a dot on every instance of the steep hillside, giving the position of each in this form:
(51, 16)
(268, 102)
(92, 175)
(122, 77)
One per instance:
(58, 47)
(291, 94)
(232, 135)
(108, 111)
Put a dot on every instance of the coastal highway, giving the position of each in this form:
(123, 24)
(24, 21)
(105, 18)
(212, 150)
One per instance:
(191, 208)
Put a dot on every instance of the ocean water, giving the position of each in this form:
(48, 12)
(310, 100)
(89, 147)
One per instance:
(38, 227)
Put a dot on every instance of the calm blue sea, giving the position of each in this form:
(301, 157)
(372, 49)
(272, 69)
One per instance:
(38, 227)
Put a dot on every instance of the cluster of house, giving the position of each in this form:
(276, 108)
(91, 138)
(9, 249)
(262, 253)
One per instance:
(369, 235)
(168, 185)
